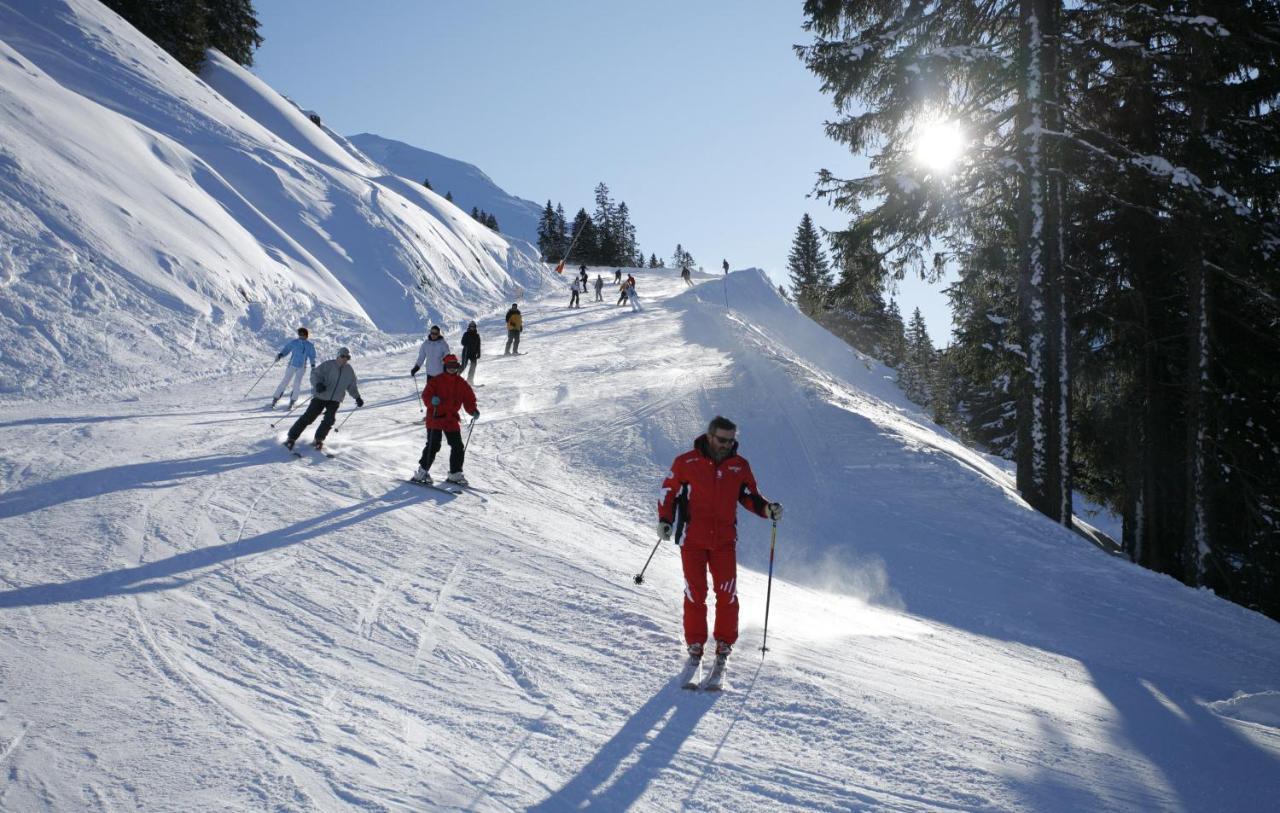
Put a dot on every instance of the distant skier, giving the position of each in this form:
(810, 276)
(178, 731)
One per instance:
(599, 288)
(515, 324)
(432, 353)
(617, 276)
(471, 351)
(684, 275)
(726, 266)
(300, 352)
(443, 396)
(624, 291)
(700, 498)
(584, 278)
(330, 383)
(573, 294)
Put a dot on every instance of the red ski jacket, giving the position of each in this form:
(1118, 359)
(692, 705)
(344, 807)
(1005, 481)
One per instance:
(454, 393)
(700, 497)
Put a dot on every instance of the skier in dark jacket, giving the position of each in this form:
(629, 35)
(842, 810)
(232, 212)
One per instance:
(471, 351)
(700, 498)
(599, 288)
(330, 382)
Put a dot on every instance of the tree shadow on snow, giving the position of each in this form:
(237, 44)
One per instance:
(657, 731)
(168, 573)
(150, 475)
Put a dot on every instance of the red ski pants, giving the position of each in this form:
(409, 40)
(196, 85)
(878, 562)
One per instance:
(723, 564)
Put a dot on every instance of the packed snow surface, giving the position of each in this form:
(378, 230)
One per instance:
(192, 619)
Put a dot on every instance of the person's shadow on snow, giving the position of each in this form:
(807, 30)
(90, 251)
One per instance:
(169, 573)
(671, 716)
(153, 475)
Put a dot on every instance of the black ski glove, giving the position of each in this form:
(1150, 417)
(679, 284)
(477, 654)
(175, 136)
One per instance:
(414, 371)
(320, 388)
(279, 356)
(475, 415)
(359, 403)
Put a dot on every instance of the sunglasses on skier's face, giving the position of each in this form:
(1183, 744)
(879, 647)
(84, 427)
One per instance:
(723, 439)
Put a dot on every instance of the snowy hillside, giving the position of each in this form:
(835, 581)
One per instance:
(191, 619)
(156, 226)
(468, 184)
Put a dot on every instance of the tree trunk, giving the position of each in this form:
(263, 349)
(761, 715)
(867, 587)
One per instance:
(1043, 457)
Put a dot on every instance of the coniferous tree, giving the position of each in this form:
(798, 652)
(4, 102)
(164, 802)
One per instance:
(549, 235)
(916, 372)
(232, 28)
(808, 267)
(653, 260)
(449, 196)
(586, 247)
(895, 349)
(560, 230)
(427, 183)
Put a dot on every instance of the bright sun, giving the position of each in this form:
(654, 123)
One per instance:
(939, 145)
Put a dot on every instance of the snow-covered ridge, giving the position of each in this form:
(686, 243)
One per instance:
(155, 225)
(470, 186)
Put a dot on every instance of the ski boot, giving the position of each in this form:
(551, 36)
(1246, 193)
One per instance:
(457, 477)
(318, 446)
(288, 444)
(275, 401)
(723, 649)
(695, 650)
(422, 476)
(293, 402)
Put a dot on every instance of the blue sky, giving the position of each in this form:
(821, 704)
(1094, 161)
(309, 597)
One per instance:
(697, 114)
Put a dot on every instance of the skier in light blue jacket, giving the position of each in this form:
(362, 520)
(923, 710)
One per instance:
(300, 352)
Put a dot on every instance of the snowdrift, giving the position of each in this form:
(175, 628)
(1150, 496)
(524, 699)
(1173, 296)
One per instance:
(155, 225)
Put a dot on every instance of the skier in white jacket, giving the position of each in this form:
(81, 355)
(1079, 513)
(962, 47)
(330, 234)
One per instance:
(432, 354)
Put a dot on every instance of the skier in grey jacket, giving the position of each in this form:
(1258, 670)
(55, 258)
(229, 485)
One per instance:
(330, 382)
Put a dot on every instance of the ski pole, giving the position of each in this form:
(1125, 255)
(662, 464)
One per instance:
(639, 577)
(417, 393)
(773, 540)
(470, 426)
(344, 421)
(285, 415)
(264, 375)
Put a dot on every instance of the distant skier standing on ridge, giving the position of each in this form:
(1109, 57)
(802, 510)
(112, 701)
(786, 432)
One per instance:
(432, 352)
(684, 275)
(574, 302)
(599, 288)
(330, 383)
(700, 498)
(443, 396)
(726, 266)
(470, 351)
(300, 352)
(515, 324)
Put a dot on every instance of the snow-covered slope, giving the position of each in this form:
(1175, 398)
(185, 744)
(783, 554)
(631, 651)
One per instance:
(467, 183)
(155, 225)
(191, 619)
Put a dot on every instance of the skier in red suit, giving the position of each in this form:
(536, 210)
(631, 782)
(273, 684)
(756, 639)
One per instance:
(443, 396)
(700, 498)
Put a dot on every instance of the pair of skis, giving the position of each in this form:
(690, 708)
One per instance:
(324, 452)
(692, 679)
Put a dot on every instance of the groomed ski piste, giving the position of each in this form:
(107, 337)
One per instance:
(192, 619)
